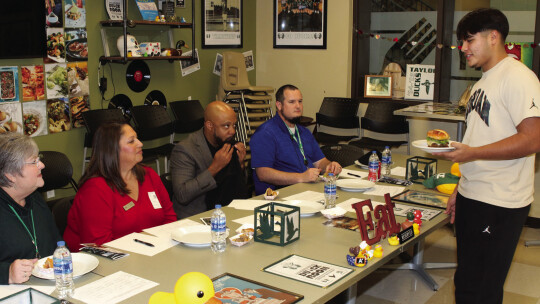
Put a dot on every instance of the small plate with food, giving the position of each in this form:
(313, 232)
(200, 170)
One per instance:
(82, 264)
(33, 122)
(246, 229)
(437, 140)
(270, 194)
(240, 239)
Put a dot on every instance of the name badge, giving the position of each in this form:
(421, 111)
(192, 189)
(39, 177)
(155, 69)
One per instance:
(128, 206)
(154, 200)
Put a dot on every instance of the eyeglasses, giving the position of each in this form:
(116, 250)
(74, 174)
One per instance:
(36, 161)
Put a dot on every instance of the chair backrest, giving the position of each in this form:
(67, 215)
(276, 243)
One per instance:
(345, 155)
(58, 171)
(151, 122)
(95, 118)
(380, 118)
(339, 112)
(188, 115)
(233, 72)
(167, 182)
(60, 211)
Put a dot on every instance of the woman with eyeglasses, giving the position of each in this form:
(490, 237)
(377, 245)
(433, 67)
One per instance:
(117, 195)
(27, 228)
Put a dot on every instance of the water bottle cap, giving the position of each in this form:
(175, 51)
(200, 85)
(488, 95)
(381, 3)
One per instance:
(373, 152)
(387, 147)
(218, 206)
(60, 243)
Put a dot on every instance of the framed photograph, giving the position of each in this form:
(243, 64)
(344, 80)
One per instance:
(378, 86)
(180, 4)
(422, 198)
(230, 288)
(221, 23)
(300, 24)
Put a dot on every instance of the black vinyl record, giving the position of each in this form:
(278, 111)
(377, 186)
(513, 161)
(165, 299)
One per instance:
(123, 103)
(155, 98)
(138, 75)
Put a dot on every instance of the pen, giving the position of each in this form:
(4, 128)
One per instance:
(348, 173)
(144, 243)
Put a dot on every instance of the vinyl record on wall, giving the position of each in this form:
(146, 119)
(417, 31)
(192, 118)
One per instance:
(155, 98)
(123, 103)
(138, 75)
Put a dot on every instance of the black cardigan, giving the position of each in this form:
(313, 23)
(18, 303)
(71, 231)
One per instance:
(15, 243)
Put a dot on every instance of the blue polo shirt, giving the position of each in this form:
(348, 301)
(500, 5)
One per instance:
(272, 147)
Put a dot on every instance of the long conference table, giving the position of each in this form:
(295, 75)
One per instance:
(317, 241)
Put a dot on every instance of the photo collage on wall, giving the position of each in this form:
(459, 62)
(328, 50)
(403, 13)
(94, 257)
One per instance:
(52, 96)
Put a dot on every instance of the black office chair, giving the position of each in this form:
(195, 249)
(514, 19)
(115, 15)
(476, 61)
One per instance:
(380, 118)
(188, 115)
(339, 113)
(60, 212)
(153, 122)
(92, 120)
(345, 155)
(58, 171)
(167, 182)
(58, 174)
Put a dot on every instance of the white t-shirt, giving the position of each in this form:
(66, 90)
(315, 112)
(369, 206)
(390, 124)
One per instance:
(504, 96)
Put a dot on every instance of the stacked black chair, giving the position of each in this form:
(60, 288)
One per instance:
(93, 119)
(380, 118)
(153, 122)
(345, 154)
(188, 115)
(336, 112)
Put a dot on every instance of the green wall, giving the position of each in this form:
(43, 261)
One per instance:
(166, 77)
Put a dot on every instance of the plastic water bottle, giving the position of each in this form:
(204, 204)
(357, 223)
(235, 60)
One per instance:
(330, 191)
(386, 161)
(63, 271)
(373, 167)
(219, 227)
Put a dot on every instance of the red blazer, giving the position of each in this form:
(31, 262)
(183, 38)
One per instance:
(100, 215)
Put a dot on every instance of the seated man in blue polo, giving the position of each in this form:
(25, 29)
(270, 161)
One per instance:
(283, 152)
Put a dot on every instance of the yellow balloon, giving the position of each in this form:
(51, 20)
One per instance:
(446, 188)
(455, 170)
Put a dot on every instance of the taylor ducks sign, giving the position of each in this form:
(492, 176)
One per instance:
(420, 81)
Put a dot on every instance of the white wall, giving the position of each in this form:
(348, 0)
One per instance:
(317, 73)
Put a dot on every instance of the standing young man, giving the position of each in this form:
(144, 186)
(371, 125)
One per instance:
(496, 159)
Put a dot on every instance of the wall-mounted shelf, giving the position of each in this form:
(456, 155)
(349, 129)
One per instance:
(132, 24)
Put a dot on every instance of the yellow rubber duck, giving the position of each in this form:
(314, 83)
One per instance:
(393, 240)
(191, 288)
(416, 229)
(378, 251)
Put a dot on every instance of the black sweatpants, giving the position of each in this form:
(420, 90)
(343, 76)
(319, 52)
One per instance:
(486, 237)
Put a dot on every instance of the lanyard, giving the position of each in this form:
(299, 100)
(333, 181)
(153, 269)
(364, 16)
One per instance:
(34, 239)
(298, 141)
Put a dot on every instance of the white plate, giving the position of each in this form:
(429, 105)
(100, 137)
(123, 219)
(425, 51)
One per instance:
(195, 236)
(355, 185)
(335, 212)
(82, 264)
(306, 207)
(422, 144)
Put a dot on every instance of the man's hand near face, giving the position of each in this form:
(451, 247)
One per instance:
(221, 159)
(241, 152)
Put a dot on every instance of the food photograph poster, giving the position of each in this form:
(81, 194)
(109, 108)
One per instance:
(35, 118)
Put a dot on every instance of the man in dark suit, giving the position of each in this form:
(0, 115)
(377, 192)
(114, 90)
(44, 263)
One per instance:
(207, 167)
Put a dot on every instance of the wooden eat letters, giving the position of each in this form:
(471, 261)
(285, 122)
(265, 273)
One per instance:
(384, 214)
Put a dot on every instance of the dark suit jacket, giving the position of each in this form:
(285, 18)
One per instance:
(191, 179)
